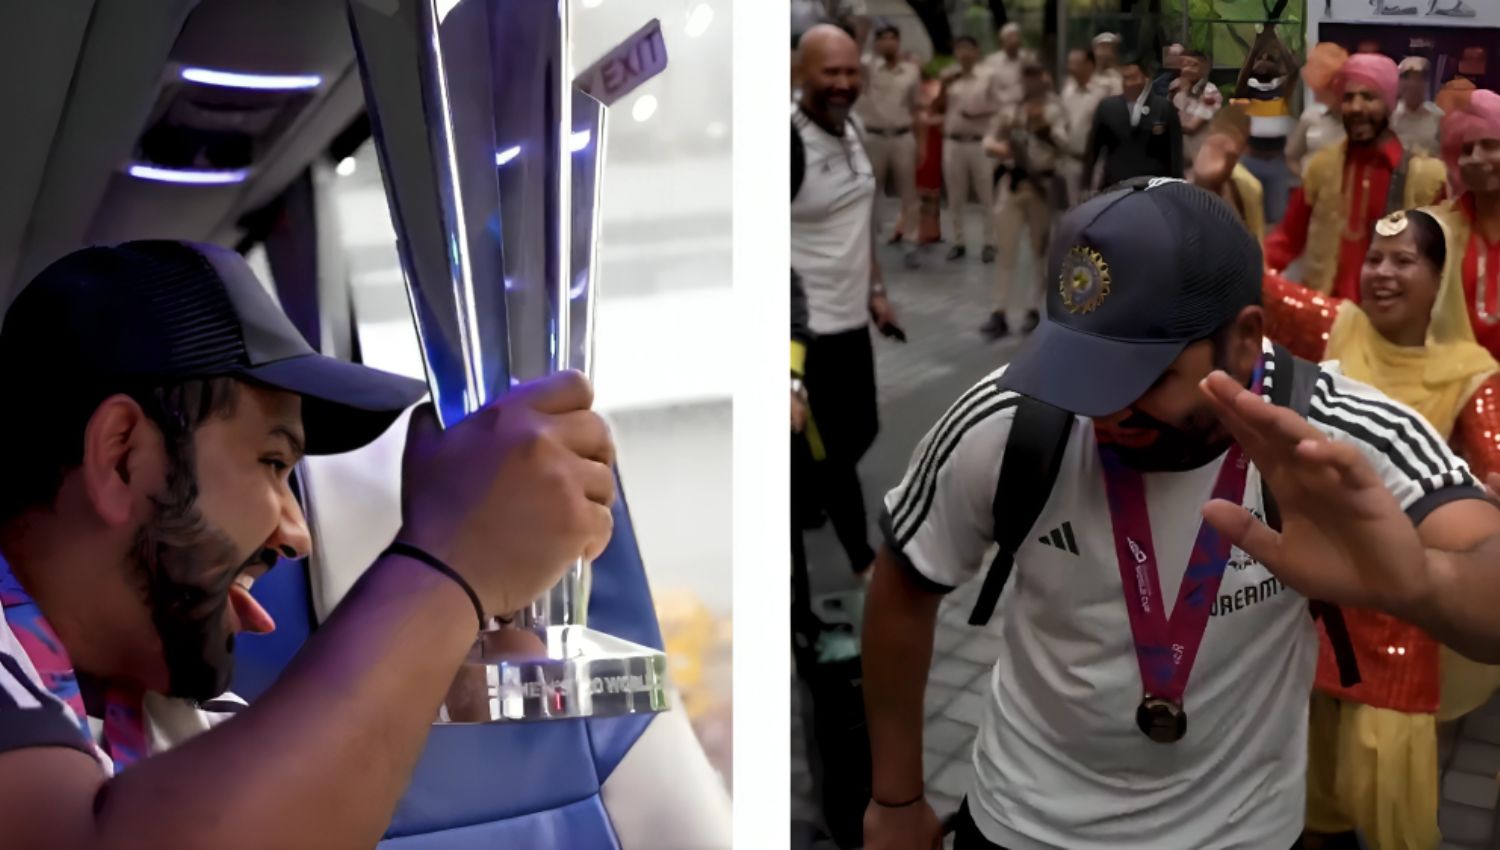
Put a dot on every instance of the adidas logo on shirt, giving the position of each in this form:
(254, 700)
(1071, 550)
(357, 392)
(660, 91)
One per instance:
(1062, 538)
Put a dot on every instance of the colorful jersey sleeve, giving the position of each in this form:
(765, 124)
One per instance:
(29, 715)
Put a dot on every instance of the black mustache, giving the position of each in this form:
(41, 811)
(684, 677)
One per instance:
(1138, 421)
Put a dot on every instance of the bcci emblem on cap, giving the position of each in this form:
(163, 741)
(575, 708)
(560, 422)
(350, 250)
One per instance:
(1084, 280)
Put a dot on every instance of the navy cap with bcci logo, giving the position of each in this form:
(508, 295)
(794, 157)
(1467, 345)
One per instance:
(160, 312)
(1135, 275)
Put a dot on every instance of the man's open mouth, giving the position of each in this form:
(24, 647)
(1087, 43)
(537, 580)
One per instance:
(247, 613)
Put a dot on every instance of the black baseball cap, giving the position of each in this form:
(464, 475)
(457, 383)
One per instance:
(153, 313)
(1134, 276)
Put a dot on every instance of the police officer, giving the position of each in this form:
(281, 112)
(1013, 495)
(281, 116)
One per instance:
(1030, 140)
(969, 102)
(889, 107)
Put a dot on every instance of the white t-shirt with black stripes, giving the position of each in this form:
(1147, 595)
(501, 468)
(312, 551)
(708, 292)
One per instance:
(1059, 762)
(31, 717)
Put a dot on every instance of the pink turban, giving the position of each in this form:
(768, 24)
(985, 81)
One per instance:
(1469, 115)
(1372, 69)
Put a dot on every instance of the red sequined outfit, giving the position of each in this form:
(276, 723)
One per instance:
(1481, 280)
(1398, 663)
(1476, 437)
(1298, 317)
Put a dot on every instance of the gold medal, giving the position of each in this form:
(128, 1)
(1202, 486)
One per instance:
(1161, 720)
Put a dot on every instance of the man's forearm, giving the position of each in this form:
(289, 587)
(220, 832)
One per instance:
(1460, 602)
(898, 629)
(322, 758)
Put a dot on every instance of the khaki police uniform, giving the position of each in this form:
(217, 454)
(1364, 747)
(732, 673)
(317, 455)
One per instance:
(1039, 146)
(1418, 129)
(1007, 73)
(966, 169)
(891, 96)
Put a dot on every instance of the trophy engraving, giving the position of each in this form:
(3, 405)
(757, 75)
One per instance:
(493, 161)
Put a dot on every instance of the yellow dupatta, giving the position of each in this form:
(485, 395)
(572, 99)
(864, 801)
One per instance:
(1436, 380)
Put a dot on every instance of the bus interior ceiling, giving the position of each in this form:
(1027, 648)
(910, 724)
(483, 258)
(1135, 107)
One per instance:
(92, 88)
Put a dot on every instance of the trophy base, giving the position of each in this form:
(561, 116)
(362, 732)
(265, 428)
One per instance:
(579, 672)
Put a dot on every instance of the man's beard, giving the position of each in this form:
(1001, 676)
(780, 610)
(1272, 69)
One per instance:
(1175, 449)
(836, 113)
(1379, 127)
(1481, 180)
(185, 567)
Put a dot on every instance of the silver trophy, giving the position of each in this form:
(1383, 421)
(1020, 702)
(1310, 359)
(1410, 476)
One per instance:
(492, 158)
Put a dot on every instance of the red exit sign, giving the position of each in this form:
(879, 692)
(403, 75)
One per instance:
(639, 58)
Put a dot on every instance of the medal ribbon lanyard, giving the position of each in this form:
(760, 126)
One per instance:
(1166, 648)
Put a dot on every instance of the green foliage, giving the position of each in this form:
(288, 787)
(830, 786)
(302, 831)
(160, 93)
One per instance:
(1224, 29)
(937, 64)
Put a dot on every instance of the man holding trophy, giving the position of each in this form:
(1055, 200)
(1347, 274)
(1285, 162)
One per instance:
(158, 487)
(143, 515)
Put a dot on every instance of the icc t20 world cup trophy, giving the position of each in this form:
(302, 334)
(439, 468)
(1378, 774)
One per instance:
(492, 156)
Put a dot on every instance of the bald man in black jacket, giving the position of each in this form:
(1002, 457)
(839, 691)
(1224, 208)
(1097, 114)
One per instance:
(1147, 144)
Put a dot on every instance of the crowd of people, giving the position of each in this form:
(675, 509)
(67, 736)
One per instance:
(1365, 232)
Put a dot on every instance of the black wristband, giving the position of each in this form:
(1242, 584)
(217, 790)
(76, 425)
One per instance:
(912, 802)
(409, 551)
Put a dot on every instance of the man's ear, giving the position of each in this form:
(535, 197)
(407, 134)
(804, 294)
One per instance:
(117, 441)
(1250, 328)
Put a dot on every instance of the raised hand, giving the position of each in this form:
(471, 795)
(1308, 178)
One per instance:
(1344, 537)
(511, 496)
(1215, 162)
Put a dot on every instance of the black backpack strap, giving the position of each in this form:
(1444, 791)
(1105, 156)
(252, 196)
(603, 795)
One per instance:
(799, 160)
(858, 125)
(1395, 197)
(1293, 381)
(1338, 639)
(1033, 455)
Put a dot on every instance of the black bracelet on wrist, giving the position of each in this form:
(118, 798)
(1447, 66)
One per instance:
(912, 802)
(407, 550)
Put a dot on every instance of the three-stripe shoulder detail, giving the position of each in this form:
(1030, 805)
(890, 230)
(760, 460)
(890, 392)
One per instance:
(980, 404)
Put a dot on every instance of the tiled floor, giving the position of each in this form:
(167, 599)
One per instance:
(941, 307)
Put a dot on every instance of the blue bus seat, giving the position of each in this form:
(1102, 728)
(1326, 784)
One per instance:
(532, 785)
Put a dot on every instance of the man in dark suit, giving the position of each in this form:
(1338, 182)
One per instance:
(1137, 132)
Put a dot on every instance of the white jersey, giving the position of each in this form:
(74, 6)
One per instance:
(1059, 762)
(832, 239)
